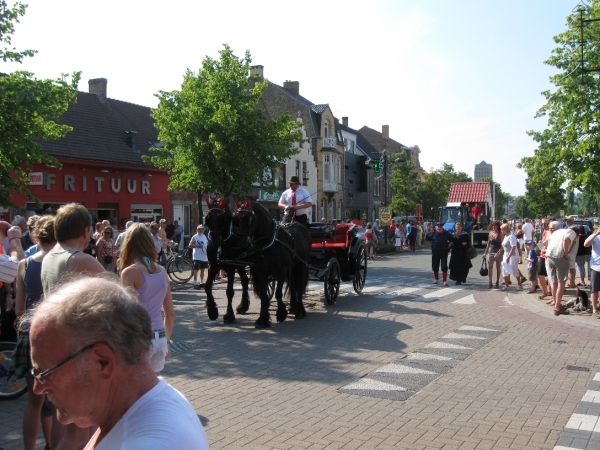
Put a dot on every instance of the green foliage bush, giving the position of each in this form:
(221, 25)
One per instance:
(384, 248)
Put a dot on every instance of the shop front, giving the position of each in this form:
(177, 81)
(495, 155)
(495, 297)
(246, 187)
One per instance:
(112, 192)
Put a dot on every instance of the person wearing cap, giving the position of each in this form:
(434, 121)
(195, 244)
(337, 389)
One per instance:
(199, 244)
(532, 261)
(297, 200)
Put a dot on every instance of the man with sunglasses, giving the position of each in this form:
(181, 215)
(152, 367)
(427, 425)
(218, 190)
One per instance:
(89, 352)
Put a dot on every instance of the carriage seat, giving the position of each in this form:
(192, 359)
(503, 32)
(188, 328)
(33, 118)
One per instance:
(321, 233)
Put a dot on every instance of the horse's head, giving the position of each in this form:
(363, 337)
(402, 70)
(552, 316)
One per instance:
(245, 219)
(218, 216)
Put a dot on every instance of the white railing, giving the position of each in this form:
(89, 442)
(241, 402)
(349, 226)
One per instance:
(330, 142)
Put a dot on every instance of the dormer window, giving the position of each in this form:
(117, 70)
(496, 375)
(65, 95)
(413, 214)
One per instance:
(326, 128)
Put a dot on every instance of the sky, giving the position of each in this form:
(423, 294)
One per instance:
(460, 79)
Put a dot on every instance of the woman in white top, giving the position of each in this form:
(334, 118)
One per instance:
(510, 260)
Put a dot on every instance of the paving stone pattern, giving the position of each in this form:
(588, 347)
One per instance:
(283, 387)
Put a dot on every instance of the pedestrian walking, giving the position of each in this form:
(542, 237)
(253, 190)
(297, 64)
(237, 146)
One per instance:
(441, 241)
(460, 263)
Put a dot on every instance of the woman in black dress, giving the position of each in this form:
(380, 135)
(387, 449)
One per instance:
(459, 261)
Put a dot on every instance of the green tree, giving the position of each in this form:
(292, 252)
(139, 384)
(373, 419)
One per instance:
(543, 197)
(433, 191)
(216, 139)
(29, 110)
(568, 149)
(405, 185)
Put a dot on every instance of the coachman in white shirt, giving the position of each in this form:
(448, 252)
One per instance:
(297, 200)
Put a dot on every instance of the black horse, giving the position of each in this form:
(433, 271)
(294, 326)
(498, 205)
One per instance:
(223, 245)
(280, 253)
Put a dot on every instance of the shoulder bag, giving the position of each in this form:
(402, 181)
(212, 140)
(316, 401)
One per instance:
(471, 252)
(484, 268)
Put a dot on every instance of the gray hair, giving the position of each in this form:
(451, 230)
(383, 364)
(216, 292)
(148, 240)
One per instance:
(17, 221)
(555, 224)
(98, 309)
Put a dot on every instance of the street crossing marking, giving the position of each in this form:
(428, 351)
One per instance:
(404, 377)
(468, 300)
(583, 427)
(441, 293)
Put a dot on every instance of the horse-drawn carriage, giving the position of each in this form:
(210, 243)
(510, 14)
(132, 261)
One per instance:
(337, 254)
(280, 254)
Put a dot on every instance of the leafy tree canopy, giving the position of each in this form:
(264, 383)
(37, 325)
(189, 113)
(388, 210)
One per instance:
(434, 190)
(405, 184)
(215, 137)
(568, 149)
(29, 109)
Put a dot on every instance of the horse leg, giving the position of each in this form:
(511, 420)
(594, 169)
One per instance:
(244, 305)
(230, 316)
(281, 311)
(211, 306)
(264, 319)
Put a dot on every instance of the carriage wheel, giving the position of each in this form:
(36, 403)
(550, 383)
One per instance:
(332, 281)
(360, 275)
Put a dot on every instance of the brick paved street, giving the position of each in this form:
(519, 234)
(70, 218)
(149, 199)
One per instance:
(404, 365)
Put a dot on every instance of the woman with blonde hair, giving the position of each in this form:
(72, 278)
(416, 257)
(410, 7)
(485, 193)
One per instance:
(29, 294)
(139, 269)
(510, 258)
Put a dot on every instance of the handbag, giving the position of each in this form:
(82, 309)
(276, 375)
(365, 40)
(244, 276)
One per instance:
(472, 252)
(484, 268)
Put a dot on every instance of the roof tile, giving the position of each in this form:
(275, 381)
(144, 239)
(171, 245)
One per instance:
(468, 192)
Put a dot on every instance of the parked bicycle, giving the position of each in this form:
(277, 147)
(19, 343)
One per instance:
(179, 267)
(15, 388)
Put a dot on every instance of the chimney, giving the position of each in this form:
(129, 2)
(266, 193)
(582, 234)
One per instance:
(385, 131)
(98, 86)
(257, 71)
(345, 121)
(292, 86)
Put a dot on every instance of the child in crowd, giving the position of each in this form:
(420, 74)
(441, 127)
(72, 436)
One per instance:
(532, 260)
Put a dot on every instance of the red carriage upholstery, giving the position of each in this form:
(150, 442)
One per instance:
(335, 238)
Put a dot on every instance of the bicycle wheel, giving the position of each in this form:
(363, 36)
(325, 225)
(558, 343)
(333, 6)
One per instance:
(15, 388)
(180, 270)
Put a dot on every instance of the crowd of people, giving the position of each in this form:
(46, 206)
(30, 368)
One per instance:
(70, 305)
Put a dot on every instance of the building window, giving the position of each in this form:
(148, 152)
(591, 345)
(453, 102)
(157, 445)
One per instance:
(323, 207)
(331, 209)
(327, 168)
(297, 172)
(326, 128)
(304, 174)
(377, 188)
(349, 145)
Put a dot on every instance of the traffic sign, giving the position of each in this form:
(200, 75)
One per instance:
(385, 215)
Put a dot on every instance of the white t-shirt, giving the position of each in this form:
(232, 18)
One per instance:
(199, 253)
(528, 231)
(595, 261)
(162, 418)
(554, 245)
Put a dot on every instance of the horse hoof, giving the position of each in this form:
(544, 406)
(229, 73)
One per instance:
(300, 315)
(261, 324)
(242, 309)
(281, 317)
(228, 320)
(213, 312)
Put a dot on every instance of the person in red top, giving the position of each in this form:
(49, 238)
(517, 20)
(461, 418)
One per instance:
(476, 211)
